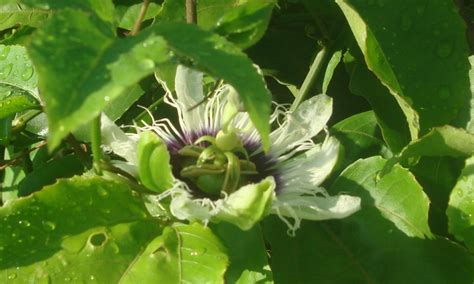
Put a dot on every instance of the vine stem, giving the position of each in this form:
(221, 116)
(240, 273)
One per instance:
(310, 79)
(95, 145)
(191, 14)
(141, 16)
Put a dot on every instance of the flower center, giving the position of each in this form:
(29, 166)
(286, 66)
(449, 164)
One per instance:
(222, 166)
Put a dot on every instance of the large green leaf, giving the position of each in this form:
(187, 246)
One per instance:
(101, 66)
(390, 117)
(17, 70)
(247, 23)
(461, 206)
(183, 254)
(440, 141)
(103, 8)
(80, 230)
(401, 40)
(13, 100)
(382, 243)
(247, 254)
(127, 21)
(12, 14)
(208, 11)
(241, 22)
(109, 66)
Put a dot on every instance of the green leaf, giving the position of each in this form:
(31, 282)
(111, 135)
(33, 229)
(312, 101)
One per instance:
(332, 64)
(103, 8)
(48, 174)
(461, 207)
(359, 135)
(16, 69)
(81, 229)
(183, 254)
(13, 100)
(440, 141)
(246, 24)
(470, 124)
(109, 66)
(432, 38)
(247, 254)
(390, 117)
(208, 11)
(364, 248)
(397, 196)
(384, 242)
(118, 107)
(13, 14)
(128, 19)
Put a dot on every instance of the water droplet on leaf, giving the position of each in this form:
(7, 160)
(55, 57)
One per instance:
(12, 276)
(24, 223)
(27, 74)
(4, 53)
(6, 70)
(48, 225)
(102, 192)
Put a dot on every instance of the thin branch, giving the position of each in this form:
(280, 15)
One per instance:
(191, 14)
(18, 158)
(141, 16)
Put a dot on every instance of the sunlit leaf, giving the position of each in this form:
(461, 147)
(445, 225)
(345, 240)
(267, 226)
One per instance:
(13, 14)
(461, 207)
(182, 254)
(400, 41)
(82, 229)
(385, 242)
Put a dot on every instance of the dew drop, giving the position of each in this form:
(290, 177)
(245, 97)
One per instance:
(102, 192)
(12, 276)
(6, 70)
(106, 98)
(24, 223)
(4, 53)
(92, 277)
(460, 193)
(27, 74)
(48, 225)
(67, 279)
(444, 49)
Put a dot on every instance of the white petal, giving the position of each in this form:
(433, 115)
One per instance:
(114, 138)
(314, 208)
(304, 123)
(189, 92)
(184, 207)
(311, 168)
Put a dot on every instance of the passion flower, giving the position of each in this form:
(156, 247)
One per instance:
(213, 167)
